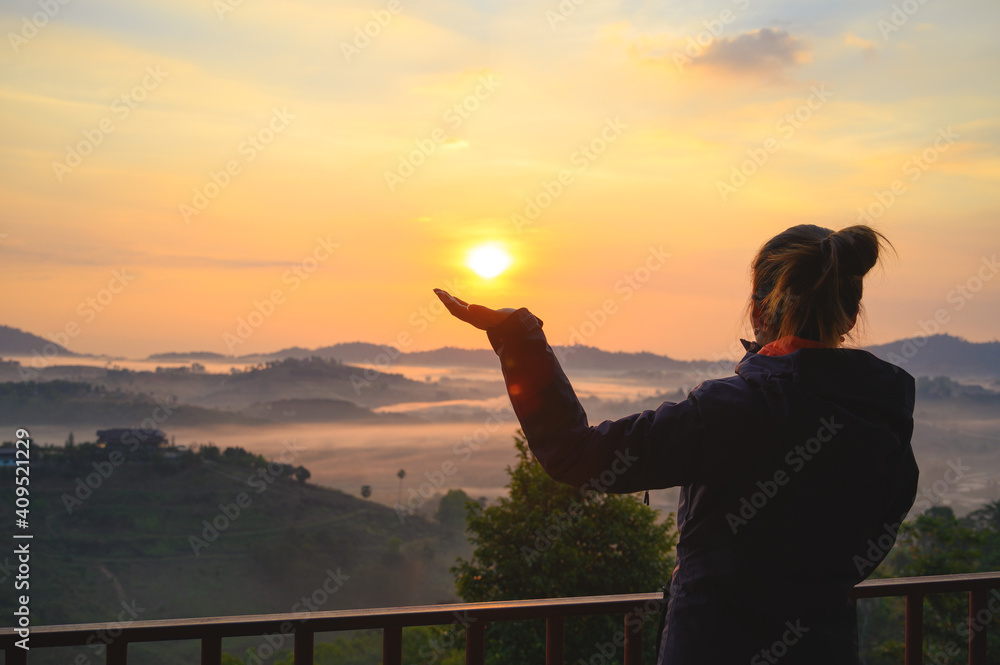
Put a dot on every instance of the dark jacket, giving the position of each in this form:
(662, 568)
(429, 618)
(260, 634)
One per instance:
(795, 473)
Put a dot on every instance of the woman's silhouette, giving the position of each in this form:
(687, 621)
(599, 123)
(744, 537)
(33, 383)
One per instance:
(795, 472)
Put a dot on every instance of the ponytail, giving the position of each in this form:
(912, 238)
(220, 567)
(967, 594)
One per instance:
(807, 280)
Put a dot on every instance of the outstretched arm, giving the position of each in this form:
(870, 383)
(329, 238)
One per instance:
(648, 450)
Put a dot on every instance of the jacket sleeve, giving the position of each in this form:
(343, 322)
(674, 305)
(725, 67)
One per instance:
(648, 450)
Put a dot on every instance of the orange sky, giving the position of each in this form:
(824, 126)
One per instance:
(170, 168)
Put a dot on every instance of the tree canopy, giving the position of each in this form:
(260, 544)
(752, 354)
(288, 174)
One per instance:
(549, 540)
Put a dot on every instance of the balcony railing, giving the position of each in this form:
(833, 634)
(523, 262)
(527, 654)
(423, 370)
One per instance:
(474, 616)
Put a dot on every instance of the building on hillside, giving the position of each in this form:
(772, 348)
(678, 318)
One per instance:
(133, 438)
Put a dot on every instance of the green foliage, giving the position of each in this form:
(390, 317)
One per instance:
(549, 540)
(937, 543)
(451, 513)
(424, 645)
(210, 452)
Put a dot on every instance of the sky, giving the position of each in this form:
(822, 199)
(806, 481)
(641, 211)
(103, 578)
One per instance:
(242, 176)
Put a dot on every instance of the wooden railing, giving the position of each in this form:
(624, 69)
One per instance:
(303, 626)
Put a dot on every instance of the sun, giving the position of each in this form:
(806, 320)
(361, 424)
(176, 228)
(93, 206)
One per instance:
(488, 260)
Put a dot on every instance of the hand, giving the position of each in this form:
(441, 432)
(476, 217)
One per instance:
(476, 315)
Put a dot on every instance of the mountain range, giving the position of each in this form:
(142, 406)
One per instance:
(935, 355)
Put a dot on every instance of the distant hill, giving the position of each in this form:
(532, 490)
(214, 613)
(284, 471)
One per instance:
(575, 357)
(318, 411)
(232, 392)
(943, 355)
(943, 388)
(70, 402)
(73, 402)
(367, 353)
(937, 355)
(588, 357)
(190, 355)
(15, 342)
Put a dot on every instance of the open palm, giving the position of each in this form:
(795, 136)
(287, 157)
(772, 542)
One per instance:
(476, 315)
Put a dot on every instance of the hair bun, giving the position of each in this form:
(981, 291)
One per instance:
(857, 249)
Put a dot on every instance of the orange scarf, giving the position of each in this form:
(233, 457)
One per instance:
(789, 344)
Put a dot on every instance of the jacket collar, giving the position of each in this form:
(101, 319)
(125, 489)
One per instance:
(782, 346)
(790, 344)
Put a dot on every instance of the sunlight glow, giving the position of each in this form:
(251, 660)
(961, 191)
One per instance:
(488, 261)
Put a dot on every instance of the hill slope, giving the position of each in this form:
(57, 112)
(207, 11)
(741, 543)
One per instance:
(15, 342)
(188, 538)
(943, 355)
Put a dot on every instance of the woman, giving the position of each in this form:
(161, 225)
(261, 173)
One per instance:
(795, 472)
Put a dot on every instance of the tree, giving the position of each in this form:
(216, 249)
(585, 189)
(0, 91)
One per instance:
(937, 543)
(451, 513)
(366, 491)
(302, 474)
(549, 540)
(401, 474)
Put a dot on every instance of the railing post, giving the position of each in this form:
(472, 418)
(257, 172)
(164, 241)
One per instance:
(392, 645)
(16, 656)
(304, 652)
(977, 632)
(633, 639)
(211, 650)
(117, 652)
(914, 653)
(555, 631)
(475, 644)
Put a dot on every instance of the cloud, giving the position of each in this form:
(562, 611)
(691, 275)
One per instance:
(867, 47)
(766, 52)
